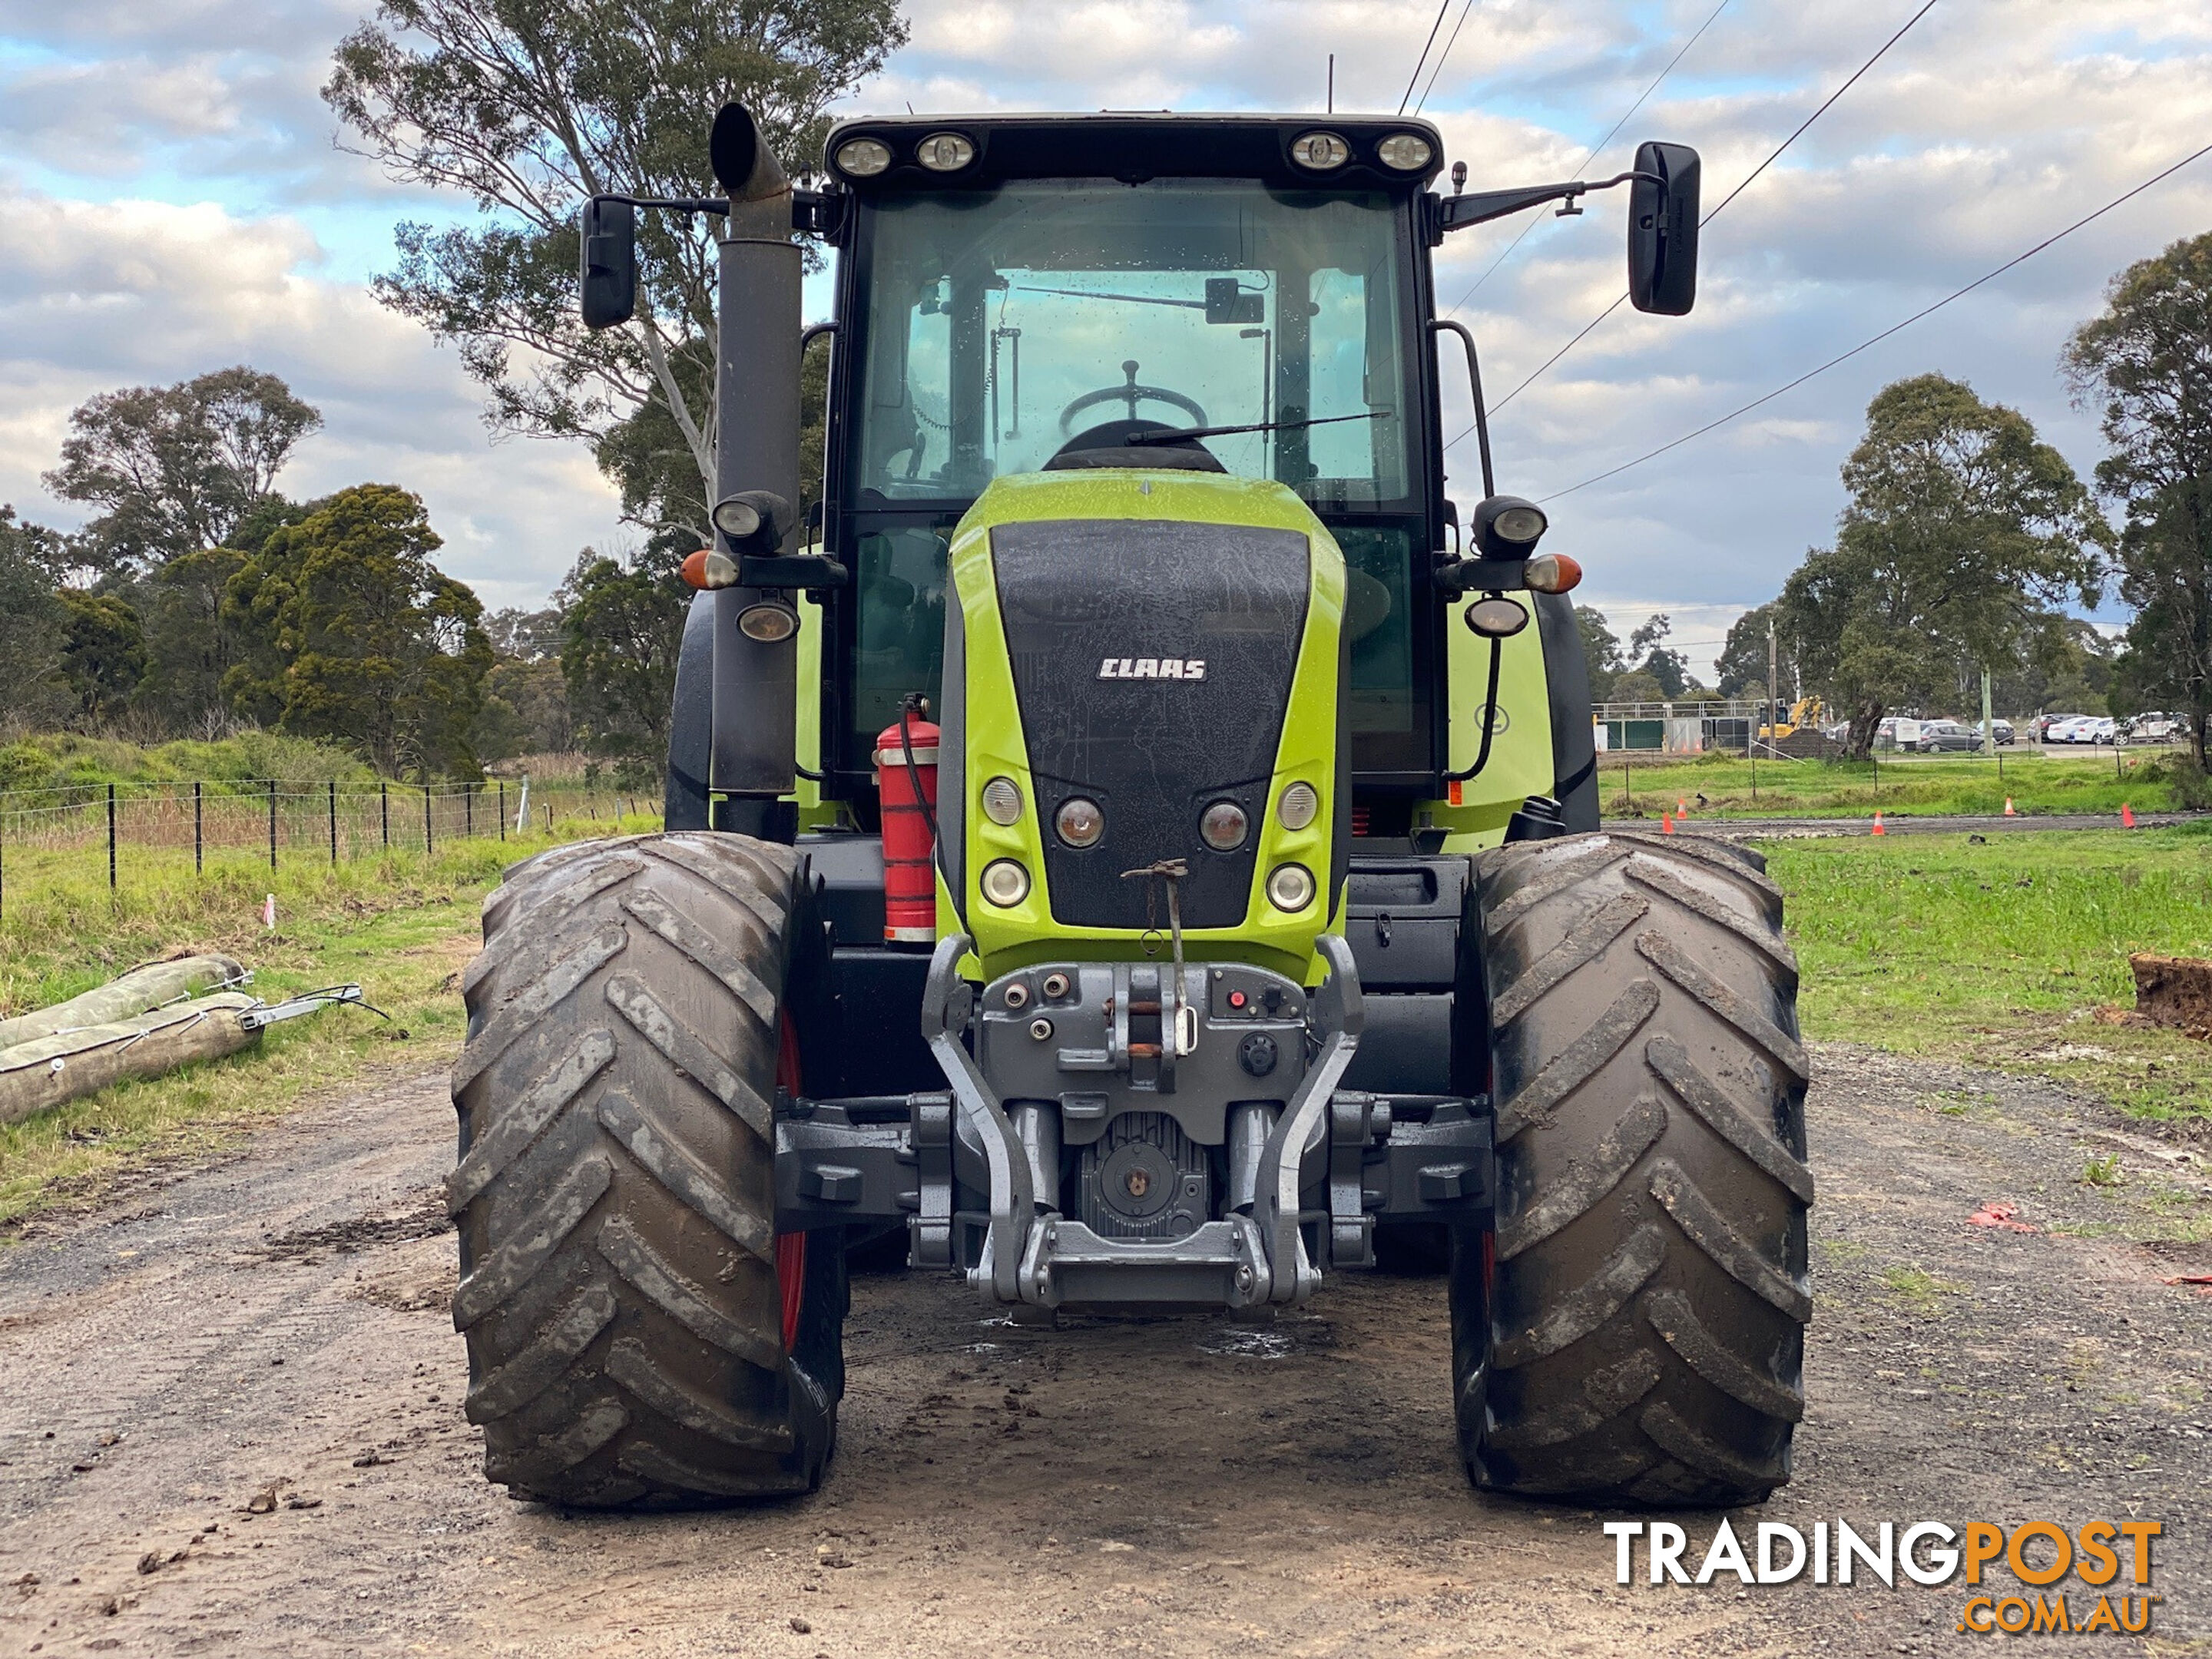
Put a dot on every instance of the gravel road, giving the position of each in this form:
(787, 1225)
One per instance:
(230, 1422)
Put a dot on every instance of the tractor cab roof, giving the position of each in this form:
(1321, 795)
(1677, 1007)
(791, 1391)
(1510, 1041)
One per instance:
(1133, 146)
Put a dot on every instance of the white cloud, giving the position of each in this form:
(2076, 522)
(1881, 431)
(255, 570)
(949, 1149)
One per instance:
(135, 293)
(1991, 124)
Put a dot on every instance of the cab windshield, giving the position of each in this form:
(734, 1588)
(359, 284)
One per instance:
(1001, 325)
(997, 327)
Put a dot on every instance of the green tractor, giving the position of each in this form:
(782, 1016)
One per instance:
(1241, 917)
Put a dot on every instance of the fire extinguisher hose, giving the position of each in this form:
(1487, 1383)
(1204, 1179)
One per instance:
(910, 706)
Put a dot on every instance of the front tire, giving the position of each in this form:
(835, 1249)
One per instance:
(1635, 1333)
(638, 1334)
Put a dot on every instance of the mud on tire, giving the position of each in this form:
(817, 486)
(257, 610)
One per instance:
(637, 1333)
(1635, 1333)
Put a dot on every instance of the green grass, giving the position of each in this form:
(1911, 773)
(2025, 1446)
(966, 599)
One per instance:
(2000, 954)
(1633, 786)
(402, 925)
(67, 760)
(1920, 1291)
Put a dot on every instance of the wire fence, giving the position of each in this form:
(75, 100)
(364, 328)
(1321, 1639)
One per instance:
(82, 829)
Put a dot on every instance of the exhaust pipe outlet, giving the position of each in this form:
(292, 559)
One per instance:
(746, 168)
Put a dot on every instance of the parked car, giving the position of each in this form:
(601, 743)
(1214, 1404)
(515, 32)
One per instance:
(1949, 737)
(2066, 729)
(2046, 724)
(1898, 732)
(2102, 729)
(2001, 731)
(2153, 726)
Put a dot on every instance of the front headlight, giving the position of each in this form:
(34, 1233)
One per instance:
(1005, 884)
(944, 152)
(1321, 152)
(769, 621)
(1290, 887)
(1002, 801)
(1222, 826)
(1079, 821)
(1298, 806)
(1406, 152)
(863, 158)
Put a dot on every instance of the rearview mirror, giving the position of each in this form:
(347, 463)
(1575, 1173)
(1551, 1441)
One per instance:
(1227, 301)
(1662, 230)
(608, 277)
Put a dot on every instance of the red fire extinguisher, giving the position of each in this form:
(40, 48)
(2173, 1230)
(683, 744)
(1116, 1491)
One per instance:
(906, 782)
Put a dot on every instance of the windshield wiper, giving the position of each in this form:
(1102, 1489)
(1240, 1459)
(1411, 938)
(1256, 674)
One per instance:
(1180, 435)
(1124, 299)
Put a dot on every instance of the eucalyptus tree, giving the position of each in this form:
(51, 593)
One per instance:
(1963, 533)
(2146, 366)
(527, 108)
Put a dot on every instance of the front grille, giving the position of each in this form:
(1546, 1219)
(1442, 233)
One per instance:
(1153, 751)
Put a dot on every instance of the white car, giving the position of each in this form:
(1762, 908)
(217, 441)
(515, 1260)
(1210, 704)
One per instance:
(2073, 729)
(2100, 729)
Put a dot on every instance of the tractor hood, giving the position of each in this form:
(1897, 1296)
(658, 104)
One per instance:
(1155, 643)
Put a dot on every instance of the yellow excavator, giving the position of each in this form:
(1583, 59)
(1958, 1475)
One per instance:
(1803, 712)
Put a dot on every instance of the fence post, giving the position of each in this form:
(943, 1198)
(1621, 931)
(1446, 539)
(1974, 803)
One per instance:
(468, 811)
(502, 808)
(111, 837)
(198, 839)
(426, 817)
(383, 809)
(272, 823)
(334, 824)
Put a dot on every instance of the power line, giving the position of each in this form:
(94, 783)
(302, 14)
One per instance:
(1423, 58)
(1925, 311)
(1450, 41)
(1596, 149)
(1818, 112)
(1826, 103)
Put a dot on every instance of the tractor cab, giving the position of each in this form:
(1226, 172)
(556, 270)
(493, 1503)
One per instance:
(1021, 294)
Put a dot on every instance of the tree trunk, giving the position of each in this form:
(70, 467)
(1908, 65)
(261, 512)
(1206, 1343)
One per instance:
(48, 1071)
(1864, 720)
(135, 993)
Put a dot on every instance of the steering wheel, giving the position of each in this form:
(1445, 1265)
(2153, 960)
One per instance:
(1132, 394)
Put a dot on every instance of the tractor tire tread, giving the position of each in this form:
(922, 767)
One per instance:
(615, 1190)
(1638, 1338)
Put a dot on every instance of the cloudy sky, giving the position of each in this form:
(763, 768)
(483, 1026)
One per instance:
(174, 201)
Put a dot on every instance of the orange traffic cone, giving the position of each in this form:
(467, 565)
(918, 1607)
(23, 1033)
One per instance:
(1666, 823)
(2009, 813)
(1878, 829)
(1681, 808)
(2127, 816)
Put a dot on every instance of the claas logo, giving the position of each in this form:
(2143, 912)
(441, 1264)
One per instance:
(1152, 668)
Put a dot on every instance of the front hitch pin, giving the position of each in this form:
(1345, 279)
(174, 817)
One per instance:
(1171, 871)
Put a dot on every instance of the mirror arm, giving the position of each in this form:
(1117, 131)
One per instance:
(1457, 212)
(1474, 382)
(677, 203)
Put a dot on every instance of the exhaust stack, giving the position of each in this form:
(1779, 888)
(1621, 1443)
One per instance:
(757, 448)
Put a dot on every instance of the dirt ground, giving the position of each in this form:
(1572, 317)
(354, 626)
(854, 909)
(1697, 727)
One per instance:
(230, 1422)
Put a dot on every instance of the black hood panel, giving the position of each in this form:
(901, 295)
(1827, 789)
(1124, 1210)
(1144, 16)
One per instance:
(1154, 661)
